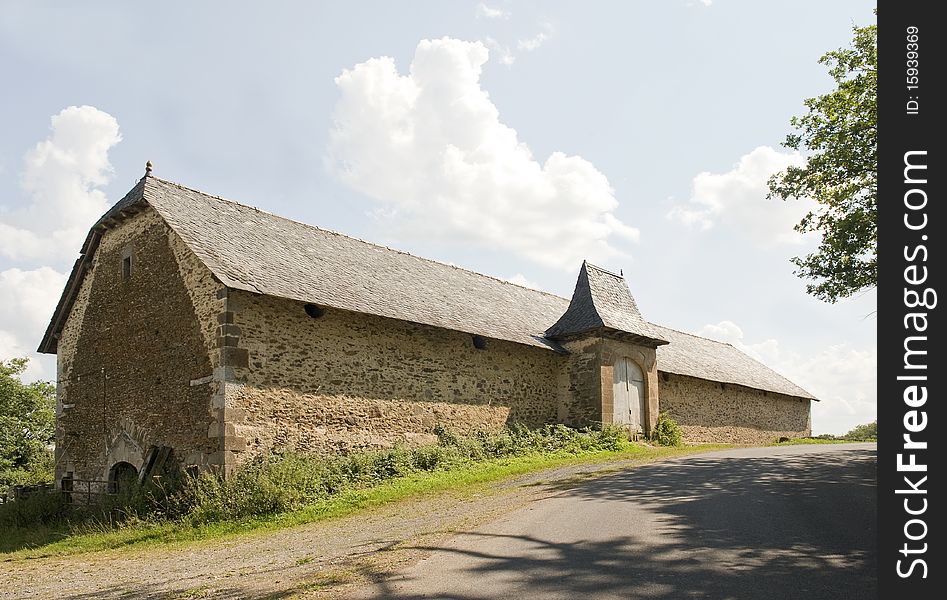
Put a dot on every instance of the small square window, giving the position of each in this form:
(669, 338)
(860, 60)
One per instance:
(126, 267)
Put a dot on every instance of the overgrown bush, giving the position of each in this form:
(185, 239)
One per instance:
(41, 508)
(666, 432)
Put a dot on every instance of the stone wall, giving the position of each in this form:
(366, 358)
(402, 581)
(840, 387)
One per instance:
(346, 381)
(287, 419)
(725, 413)
(128, 353)
(580, 384)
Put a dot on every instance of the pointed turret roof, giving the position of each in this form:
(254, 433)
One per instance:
(602, 302)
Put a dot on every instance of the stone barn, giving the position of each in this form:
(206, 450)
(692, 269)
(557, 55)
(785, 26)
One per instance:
(205, 329)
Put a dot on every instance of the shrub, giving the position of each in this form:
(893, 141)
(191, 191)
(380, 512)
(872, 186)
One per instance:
(41, 508)
(666, 431)
(610, 437)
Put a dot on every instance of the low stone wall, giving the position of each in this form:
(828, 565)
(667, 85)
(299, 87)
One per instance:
(711, 412)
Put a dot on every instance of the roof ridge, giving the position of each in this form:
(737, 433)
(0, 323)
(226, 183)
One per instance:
(604, 270)
(358, 239)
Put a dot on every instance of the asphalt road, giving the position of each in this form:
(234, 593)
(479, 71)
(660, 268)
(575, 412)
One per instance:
(768, 523)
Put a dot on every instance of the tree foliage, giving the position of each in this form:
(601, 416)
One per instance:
(838, 135)
(863, 433)
(27, 426)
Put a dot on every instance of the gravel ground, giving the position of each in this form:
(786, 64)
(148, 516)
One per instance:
(321, 560)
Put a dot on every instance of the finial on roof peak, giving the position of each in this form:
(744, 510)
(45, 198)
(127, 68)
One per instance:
(148, 168)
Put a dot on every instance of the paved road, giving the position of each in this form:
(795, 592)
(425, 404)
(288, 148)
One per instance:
(768, 523)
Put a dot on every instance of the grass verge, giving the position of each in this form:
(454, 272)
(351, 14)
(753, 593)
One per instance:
(475, 477)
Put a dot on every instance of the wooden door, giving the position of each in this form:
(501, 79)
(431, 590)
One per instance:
(628, 394)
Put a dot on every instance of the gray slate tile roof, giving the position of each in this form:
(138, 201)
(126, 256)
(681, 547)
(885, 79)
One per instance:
(249, 249)
(602, 300)
(256, 251)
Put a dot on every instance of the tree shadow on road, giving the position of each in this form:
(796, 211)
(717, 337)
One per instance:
(799, 526)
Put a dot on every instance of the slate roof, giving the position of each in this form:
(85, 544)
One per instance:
(602, 300)
(253, 250)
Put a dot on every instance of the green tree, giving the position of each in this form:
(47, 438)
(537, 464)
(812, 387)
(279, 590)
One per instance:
(27, 426)
(839, 137)
(863, 433)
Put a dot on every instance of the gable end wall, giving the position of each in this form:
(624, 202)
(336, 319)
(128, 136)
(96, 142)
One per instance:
(129, 351)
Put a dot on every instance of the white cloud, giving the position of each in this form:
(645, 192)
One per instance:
(486, 12)
(724, 331)
(431, 149)
(504, 55)
(842, 376)
(520, 279)
(61, 176)
(737, 200)
(533, 43)
(27, 301)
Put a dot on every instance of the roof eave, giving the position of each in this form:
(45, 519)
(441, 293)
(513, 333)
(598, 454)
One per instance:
(803, 396)
(613, 333)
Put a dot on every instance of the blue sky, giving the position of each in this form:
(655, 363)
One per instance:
(512, 138)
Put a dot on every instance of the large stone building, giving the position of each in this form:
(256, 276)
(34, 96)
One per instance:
(215, 330)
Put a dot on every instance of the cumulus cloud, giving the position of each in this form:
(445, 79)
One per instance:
(737, 200)
(533, 43)
(487, 12)
(430, 147)
(842, 376)
(61, 175)
(27, 301)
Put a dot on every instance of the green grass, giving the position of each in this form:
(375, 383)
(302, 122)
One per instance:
(805, 441)
(472, 478)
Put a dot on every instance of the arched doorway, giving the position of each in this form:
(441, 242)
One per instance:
(628, 394)
(122, 476)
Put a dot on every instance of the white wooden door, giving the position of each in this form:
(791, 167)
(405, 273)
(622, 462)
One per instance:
(628, 394)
